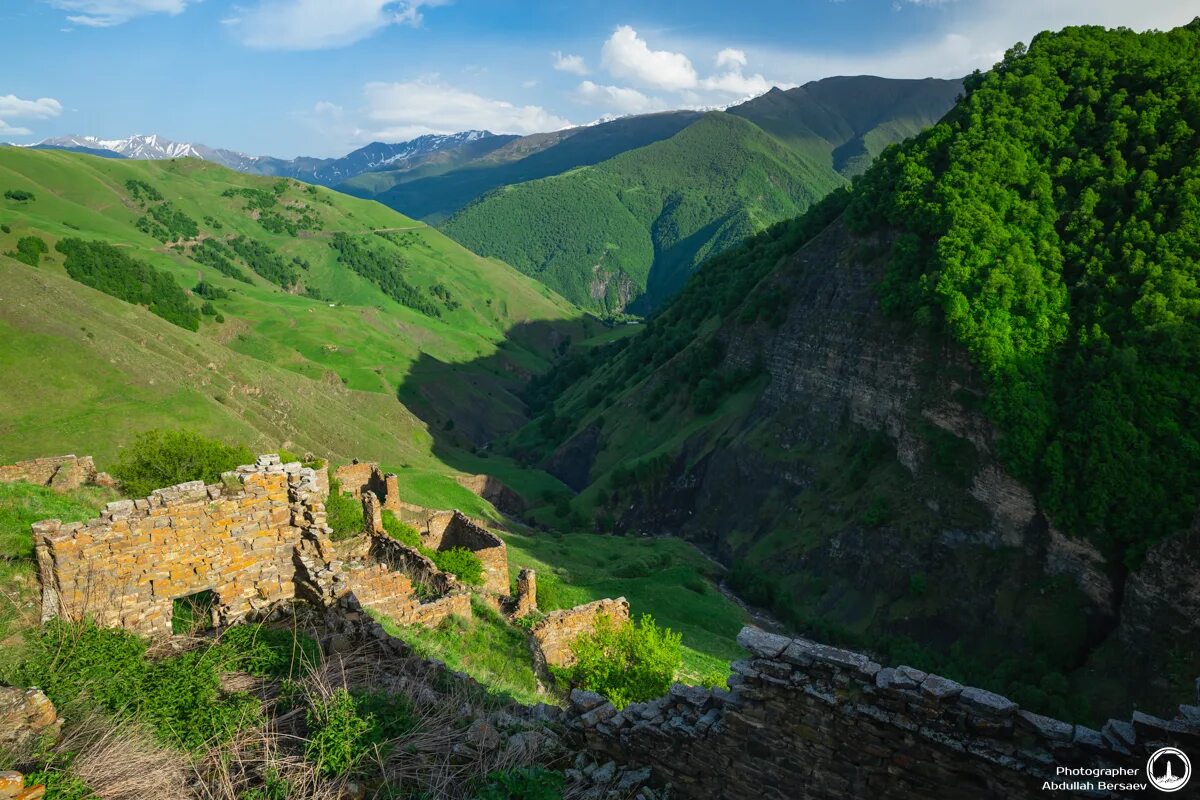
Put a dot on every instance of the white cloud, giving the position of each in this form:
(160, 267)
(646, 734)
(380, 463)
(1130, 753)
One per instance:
(319, 24)
(564, 62)
(617, 98)
(13, 107)
(398, 111)
(729, 57)
(106, 13)
(626, 55)
(327, 109)
(975, 36)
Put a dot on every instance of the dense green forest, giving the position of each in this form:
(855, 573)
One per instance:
(1052, 225)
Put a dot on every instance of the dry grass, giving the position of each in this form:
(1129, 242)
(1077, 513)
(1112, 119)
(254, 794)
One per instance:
(120, 761)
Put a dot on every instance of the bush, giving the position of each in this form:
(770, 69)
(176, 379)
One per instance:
(159, 458)
(19, 195)
(627, 663)
(401, 531)
(343, 513)
(460, 562)
(345, 727)
(30, 250)
(84, 668)
(522, 783)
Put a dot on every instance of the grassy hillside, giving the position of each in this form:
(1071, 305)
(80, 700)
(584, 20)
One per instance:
(312, 356)
(434, 192)
(845, 122)
(628, 232)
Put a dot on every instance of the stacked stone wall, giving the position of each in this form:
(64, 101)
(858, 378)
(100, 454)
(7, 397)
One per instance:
(802, 720)
(61, 472)
(554, 634)
(450, 529)
(236, 539)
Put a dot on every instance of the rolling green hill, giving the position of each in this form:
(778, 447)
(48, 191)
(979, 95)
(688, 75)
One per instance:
(141, 294)
(896, 415)
(626, 233)
(436, 191)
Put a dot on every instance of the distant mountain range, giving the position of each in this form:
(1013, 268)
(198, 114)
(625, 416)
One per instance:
(446, 149)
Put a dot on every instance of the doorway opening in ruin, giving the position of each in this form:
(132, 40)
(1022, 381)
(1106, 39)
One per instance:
(193, 613)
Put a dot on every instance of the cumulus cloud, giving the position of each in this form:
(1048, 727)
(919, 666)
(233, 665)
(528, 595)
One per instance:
(405, 110)
(627, 56)
(320, 24)
(107, 13)
(620, 99)
(729, 57)
(13, 107)
(564, 62)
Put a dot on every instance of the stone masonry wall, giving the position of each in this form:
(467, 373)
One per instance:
(236, 539)
(61, 472)
(449, 529)
(440, 530)
(554, 633)
(802, 720)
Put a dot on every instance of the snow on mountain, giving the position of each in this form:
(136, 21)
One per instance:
(326, 171)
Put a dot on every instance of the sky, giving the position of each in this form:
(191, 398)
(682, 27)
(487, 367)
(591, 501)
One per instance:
(323, 77)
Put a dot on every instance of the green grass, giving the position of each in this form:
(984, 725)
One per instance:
(485, 647)
(89, 372)
(21, 505)
(664, 577)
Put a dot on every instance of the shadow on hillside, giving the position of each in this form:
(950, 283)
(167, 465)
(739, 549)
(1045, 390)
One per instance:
(468, 406)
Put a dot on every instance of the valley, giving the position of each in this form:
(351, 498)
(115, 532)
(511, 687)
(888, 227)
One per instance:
(838, 442)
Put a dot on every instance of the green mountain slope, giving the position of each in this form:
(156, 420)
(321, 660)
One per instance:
(845, 122)
(626, 234)
(948, 416)
(434, 192)
(318, 309)
(633, 228)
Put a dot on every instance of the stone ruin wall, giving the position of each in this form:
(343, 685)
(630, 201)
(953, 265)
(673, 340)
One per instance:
(449, 529)
(60, 472)
(236, 539)
(440, 530)
(803, 720)
(554, 633)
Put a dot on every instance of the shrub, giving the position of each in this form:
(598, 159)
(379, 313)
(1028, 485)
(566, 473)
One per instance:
(522, 783)
(627, 663)
(345, 727)
(159, 458)
(19, 195)
(344, 514)
(30, 250)
(401, 531)
(460, 562)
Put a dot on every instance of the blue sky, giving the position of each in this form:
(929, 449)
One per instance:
(321, 77)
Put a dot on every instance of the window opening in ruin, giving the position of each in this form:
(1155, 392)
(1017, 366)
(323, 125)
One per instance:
(193, 613)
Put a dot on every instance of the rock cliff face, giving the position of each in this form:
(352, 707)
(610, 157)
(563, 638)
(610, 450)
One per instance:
(862, 490)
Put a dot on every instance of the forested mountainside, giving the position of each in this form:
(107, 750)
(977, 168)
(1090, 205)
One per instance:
(143, 294)
(948, 415)
(626, 233)
(436, 192)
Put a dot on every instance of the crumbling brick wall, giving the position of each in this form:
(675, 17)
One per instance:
(554, 633)
(61, 472)
(803, 721)
(236, 539)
